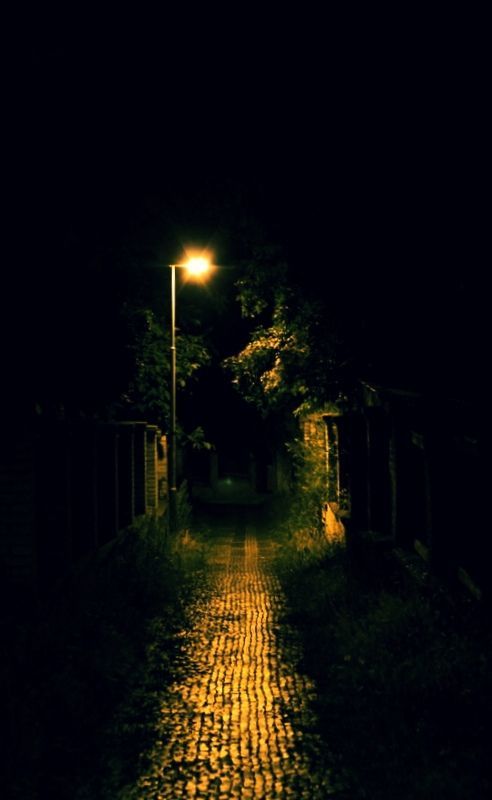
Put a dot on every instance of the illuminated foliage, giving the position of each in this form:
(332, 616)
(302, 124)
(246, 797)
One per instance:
(266, 370)
(296, 365)
(294, 360)
(147, 395)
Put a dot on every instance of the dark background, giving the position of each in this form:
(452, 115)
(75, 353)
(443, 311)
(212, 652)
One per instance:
(363, 164)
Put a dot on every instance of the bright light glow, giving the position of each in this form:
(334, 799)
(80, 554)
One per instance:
(197, 266)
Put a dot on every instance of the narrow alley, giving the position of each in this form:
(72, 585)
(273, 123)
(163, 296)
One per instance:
(236, 722)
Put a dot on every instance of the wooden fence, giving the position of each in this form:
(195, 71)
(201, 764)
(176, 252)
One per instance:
(67, 488)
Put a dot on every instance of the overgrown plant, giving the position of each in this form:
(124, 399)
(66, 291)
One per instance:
(309, 489)
(104, 641)
(405, 689)
(294, 364)
(147, 393)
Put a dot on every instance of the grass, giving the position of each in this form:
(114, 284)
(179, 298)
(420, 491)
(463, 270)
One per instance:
(405, 690)
(83, 681)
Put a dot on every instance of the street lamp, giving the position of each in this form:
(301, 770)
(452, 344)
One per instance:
(196, 268)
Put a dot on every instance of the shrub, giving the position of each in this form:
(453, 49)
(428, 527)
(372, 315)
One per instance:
(405, 693)
(102, 641)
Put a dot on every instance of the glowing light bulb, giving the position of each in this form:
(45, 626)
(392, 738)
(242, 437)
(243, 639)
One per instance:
(197, 265)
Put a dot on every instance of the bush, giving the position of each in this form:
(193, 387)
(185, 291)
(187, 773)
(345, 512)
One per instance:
(103, 641)
(405, 692)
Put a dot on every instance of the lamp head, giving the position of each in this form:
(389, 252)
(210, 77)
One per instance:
(197, 266)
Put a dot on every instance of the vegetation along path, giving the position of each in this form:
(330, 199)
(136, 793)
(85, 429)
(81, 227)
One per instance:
(237, 721)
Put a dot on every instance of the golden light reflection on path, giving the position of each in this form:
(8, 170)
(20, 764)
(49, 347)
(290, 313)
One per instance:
(235, 724)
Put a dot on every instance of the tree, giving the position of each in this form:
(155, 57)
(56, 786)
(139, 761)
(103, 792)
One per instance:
(147, 393)
(295, 359)
(295, 367)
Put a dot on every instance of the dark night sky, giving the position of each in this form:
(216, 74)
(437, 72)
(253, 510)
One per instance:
(367, 173)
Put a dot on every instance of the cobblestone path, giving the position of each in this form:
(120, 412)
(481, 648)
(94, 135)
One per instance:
(236, 722)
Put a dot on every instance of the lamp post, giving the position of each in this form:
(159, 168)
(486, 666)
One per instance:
(196, 268)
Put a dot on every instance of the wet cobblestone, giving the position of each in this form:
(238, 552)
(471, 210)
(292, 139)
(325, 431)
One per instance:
(237, 722)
